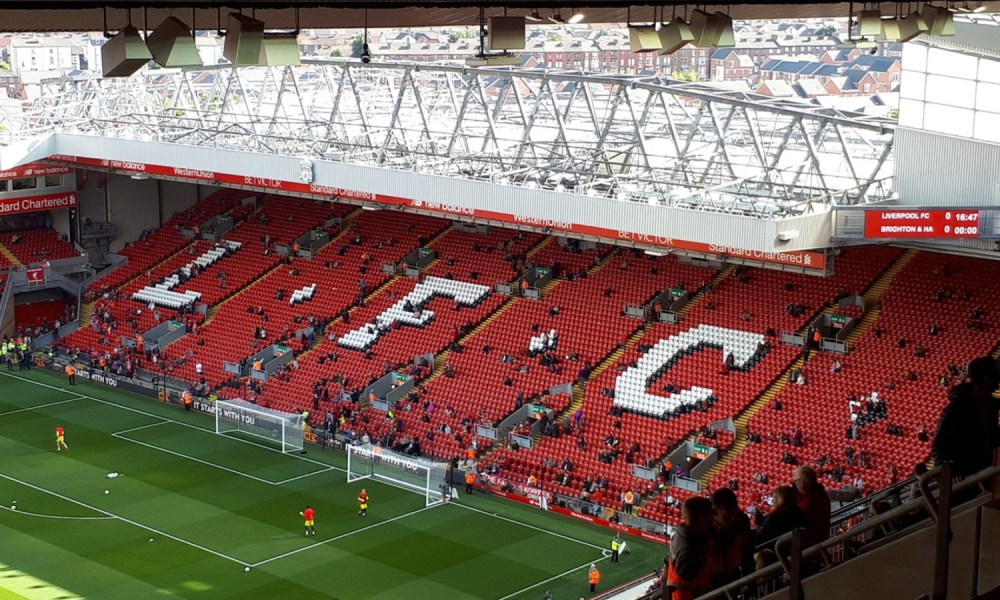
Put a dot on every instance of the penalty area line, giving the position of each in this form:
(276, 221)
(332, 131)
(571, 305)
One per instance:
(141, 427)
(543, 530)
(553, 578)
(62, 517)
(341, 536)
(195, 459)
(181, 423)
(40, 406)
(126, 520)
(296, 478)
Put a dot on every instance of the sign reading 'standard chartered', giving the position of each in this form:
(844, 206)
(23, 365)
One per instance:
(26, 204)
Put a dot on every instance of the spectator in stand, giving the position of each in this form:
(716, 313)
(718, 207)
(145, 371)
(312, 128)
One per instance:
(969, 432)
(785, 516)
(815, 504)
(733, 539)
(691, 547)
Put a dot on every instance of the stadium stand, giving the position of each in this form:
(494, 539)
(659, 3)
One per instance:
(491, 358)
(37, 245)
(893, 433)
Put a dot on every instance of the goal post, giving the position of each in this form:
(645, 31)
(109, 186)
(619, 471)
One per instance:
(413, 473)
(285, 429)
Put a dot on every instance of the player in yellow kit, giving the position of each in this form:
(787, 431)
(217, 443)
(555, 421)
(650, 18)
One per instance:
(363, 503)
(60, 439)
(309, 515)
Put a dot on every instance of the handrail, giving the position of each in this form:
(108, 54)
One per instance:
(821, 551)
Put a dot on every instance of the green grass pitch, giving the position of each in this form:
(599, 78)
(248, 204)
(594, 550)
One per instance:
(213, 505)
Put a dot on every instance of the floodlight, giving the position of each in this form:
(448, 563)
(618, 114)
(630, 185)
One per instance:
(244, 40)
(172, 45)
(643, 39)
(674, 36)
(578, 17)
(125, 53)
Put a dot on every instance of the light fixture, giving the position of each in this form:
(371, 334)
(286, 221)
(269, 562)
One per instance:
(505, 33)
(704, 28)
(725, 36)
(534, 17)
(281, 47)
(869, 23)
(244, 40)
(903, 29)
(557, 18)
(366, 53)
(578, 17)
(979, 8)
(674, 36)
(125, 52)
(172, 45)
(643, 39)
(939, 20)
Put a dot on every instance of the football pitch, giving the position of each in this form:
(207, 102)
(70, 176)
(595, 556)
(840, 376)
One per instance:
(192, 511)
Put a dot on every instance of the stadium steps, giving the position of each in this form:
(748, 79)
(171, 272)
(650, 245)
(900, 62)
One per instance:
(873, 296)
(715, 281)
(441, 360)
(539, 246)
(608, 258)
(214, 310)
(580, 389)
(743, 420)
(86, 313)
(217, 307)
(14, 260)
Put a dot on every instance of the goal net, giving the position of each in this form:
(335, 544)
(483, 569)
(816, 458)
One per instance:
(420, 475)
(245, 417)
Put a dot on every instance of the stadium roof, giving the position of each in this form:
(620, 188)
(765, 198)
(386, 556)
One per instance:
(89, 15)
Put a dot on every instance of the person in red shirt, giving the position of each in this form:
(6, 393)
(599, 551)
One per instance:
(309, 515)
(363, 503)
(60, 439)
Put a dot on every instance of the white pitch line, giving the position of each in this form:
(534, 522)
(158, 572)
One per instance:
(40, 515)
(553, 578)
(20, 410)
(198, 460)
(118, 433)
(290, 479)
(181, 423)
(509, 520)
(126, 520)
(341, 536)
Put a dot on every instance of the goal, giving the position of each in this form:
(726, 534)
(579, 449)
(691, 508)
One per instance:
(416, 474)
(241, 416)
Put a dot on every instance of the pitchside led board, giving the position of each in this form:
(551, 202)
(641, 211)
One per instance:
(922, 224)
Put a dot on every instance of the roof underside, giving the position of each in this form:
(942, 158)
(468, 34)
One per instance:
(89, 15)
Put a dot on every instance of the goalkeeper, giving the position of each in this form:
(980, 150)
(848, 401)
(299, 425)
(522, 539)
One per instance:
(309, 515)
(363, 503)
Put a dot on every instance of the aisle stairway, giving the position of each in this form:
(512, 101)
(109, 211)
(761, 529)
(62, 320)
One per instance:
(743, 420)
(86, 313)
(5, 251)
(873, 296)
(715, 281)
(441, 360)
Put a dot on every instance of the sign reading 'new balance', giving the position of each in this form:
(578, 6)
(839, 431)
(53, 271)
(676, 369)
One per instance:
(797, 258)
(34, 170)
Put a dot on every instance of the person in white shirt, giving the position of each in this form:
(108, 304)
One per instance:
(198, 369)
